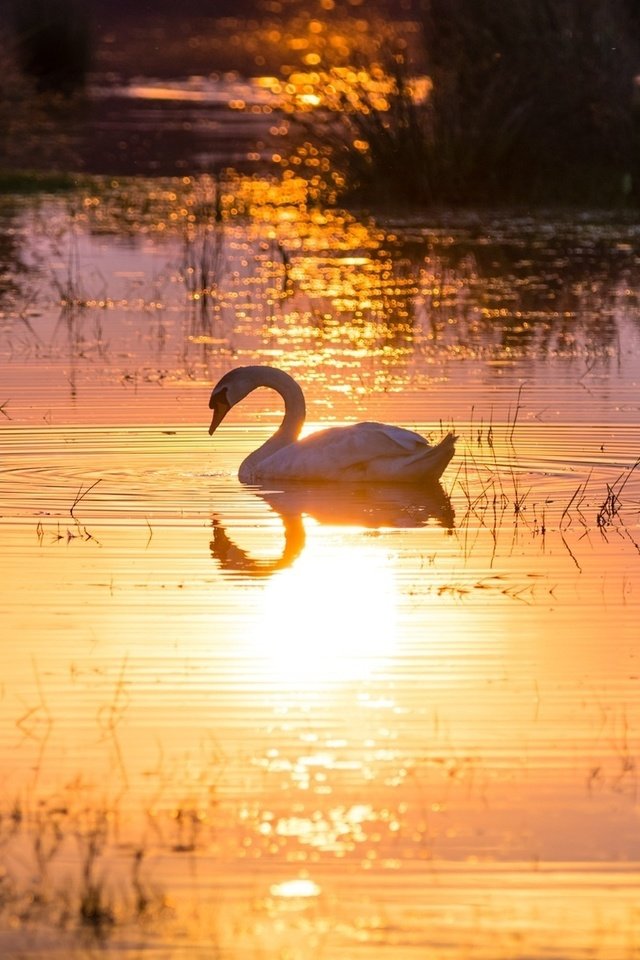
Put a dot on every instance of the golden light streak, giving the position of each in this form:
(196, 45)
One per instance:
(330, 618)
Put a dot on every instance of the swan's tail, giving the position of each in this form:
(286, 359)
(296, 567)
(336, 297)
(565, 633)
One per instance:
(429, 466)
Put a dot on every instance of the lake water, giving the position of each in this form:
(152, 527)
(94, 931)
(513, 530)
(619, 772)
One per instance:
(241, 722)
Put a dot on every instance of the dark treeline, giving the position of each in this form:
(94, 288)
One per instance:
(105, 11)
(534, 101)
(534, 97)
(53, 41)
(56, 40)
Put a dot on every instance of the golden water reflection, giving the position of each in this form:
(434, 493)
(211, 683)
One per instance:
(330, 617)
(379, 722)
(385, 722)
(153, 289)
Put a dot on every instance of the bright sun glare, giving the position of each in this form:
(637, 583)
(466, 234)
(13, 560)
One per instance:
(329, 618)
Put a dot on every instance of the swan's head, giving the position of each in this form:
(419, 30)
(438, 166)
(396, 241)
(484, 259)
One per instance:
(228, 391)
(236, 384)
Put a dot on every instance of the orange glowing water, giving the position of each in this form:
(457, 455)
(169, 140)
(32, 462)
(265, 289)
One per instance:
(368, 723)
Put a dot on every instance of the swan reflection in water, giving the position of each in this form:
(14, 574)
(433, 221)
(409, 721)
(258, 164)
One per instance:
(352, 505)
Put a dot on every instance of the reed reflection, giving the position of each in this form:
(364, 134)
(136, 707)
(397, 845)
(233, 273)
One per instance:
(257, 264)
(13, 266)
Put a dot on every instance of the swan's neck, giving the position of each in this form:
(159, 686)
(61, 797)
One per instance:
(289, 429)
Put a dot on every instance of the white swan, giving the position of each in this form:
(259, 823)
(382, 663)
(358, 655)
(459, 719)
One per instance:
(361, 451)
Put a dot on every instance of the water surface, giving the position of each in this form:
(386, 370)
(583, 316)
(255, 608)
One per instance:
(261, 722)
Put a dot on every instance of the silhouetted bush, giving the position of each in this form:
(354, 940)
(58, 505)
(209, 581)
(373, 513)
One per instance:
(33, 129)
(53, 42)
(533, 101)
(397, 164)
(533, 98)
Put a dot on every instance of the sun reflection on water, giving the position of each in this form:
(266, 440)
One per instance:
(332, 616)
(300, 887)
(344, 698)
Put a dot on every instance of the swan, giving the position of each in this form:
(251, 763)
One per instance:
(374, 452)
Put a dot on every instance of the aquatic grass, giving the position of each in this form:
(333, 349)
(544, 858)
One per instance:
(486, 501)
(95, 905)
(202, 264)
(81, 494)
(612, 503)
(48, 834)
(578, 495)
(513, 422)
(70, 286)
(492, 492)
(63, 861)
(489, 503)
(57, 848)
(519, 497)
(79, 532)
(539, 523)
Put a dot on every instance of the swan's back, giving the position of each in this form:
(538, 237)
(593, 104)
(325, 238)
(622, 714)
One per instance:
(366, 451)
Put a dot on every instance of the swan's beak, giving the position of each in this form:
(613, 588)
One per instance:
(220, 409)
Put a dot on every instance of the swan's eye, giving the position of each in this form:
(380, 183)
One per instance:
(219, 400)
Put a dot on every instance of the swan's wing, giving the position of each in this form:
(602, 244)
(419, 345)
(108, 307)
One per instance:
(390, 441)
(332, 453)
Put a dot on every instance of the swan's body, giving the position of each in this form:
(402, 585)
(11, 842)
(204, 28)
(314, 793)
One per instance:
(374, 452)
